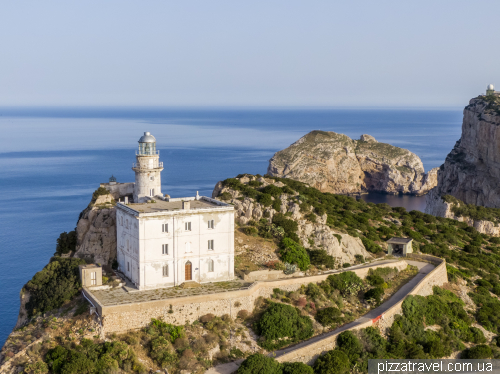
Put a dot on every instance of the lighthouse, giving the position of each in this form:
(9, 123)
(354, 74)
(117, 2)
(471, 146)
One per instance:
(147, 169)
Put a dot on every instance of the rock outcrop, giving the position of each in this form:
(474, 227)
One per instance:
(335, 163)
(96, 231)
(436, 205)
(341, 246)
(471, 171)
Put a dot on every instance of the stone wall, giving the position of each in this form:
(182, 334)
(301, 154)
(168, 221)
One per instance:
(311, 352)
(121, 318)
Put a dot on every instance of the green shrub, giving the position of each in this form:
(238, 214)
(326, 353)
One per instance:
(479, 352)
(348, 343)
(250, 230)
(296, 368)
(371, 246)
(294, 253)
(346, 265)
(348, 283)
(265, 199)
(333, 362)
(58, 282)
(259, 364)
(282, 324)
(289, 225)
(99, 192)
(321, 257)
(225, 196)
(374, 294)
(66, 242)
(277, 204)
(272, 190)
(375, 280)
(328, 316)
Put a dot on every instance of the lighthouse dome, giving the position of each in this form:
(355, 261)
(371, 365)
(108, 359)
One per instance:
(490, 87)
(147, 138)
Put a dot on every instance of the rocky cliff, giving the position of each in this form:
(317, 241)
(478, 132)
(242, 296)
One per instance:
(438, 206)
(335, 163)
(471, 171)
(341, 246)
(96, 231)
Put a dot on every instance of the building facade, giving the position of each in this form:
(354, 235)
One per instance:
(164, 242)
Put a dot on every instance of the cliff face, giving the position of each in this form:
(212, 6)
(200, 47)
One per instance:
(96, 231)
(341, 246)
(471, 172)
(335, 163)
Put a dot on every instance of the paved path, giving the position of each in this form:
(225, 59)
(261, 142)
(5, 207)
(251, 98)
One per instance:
(424, 268)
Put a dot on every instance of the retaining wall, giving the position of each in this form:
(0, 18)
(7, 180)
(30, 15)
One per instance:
(311, 352)
(124, 317)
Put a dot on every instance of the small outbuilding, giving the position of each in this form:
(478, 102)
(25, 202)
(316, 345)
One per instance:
(91, 275)
(399, 246)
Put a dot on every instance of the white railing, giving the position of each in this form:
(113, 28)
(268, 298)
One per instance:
(156, 165)
(149, 153)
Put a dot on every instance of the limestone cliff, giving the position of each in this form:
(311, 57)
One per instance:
(96, 231)
(341, 246)
(438, 206)
(335, 163)
(471, 171)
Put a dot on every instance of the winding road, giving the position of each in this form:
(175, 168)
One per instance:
(424, 268)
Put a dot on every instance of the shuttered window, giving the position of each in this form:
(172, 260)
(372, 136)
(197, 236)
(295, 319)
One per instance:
(210, 245)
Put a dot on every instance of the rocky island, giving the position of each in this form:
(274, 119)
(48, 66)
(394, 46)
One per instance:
(335, 163)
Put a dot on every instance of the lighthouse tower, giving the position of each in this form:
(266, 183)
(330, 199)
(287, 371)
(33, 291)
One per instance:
(147, 169)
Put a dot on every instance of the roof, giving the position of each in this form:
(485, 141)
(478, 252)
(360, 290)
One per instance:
(175, 205)
(399, 240)
(147, 138)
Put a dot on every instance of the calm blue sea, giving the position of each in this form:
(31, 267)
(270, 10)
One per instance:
(52, 159)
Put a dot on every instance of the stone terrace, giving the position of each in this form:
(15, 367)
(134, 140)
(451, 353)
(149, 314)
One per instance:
(119, 296)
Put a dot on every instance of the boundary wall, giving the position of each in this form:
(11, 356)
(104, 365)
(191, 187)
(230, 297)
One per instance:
(124, 317)
(437, 277)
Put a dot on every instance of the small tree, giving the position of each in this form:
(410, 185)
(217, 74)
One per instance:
(333, 362)
(259, 364)
(294, 253)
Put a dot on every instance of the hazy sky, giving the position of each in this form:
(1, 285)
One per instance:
(285, 53)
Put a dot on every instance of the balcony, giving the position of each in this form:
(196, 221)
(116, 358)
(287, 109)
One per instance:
(147, 153)
(154, 165)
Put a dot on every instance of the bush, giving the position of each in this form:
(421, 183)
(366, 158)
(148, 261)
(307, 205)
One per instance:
(265, 199)
(282, 324)
(243, 314)
(250, 231)
(259, 364)
(58, 282)
(294, 253)
(277, 204)
(333, 362)
(328, 316)
(321, 257)
(225, 196)
(207, 318)
(66, 242)
(289, 225)
(346, 265)
(348, 283)
(371, 246)
(479, 352)
(375, 280)
(348, 343)
(374, 294)
(272, 190)
(296, 368)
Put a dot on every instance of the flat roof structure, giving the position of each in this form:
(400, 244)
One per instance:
(399, 240)
(175, 205)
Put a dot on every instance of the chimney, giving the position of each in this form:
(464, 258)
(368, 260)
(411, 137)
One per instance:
(126, 200)
(186, 205)
(197, 196)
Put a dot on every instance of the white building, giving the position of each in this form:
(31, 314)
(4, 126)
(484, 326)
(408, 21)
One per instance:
(163, 242)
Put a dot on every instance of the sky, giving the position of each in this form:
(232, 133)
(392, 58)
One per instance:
(247, 53)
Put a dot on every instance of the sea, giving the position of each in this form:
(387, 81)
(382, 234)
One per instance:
(52, 159)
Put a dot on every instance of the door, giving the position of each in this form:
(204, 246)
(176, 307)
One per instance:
(93, 278)
(188, 271)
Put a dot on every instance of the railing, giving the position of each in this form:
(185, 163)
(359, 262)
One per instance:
(156, 165)
(149, 153)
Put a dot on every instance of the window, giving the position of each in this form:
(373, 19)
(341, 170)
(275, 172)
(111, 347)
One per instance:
(121, 221)
(152, 178)
(164, 227)
(210, 266)
(210, 245)
(152, 192)
(128, 266)
(128, 246)
(187, 226)
(165, 270)
(93, 278)
(211, 224)
(164, 249)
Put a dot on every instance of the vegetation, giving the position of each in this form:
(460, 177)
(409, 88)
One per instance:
(281, 325)
(58, 282)
(476, 212)
(66, 242)
(294, 253)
